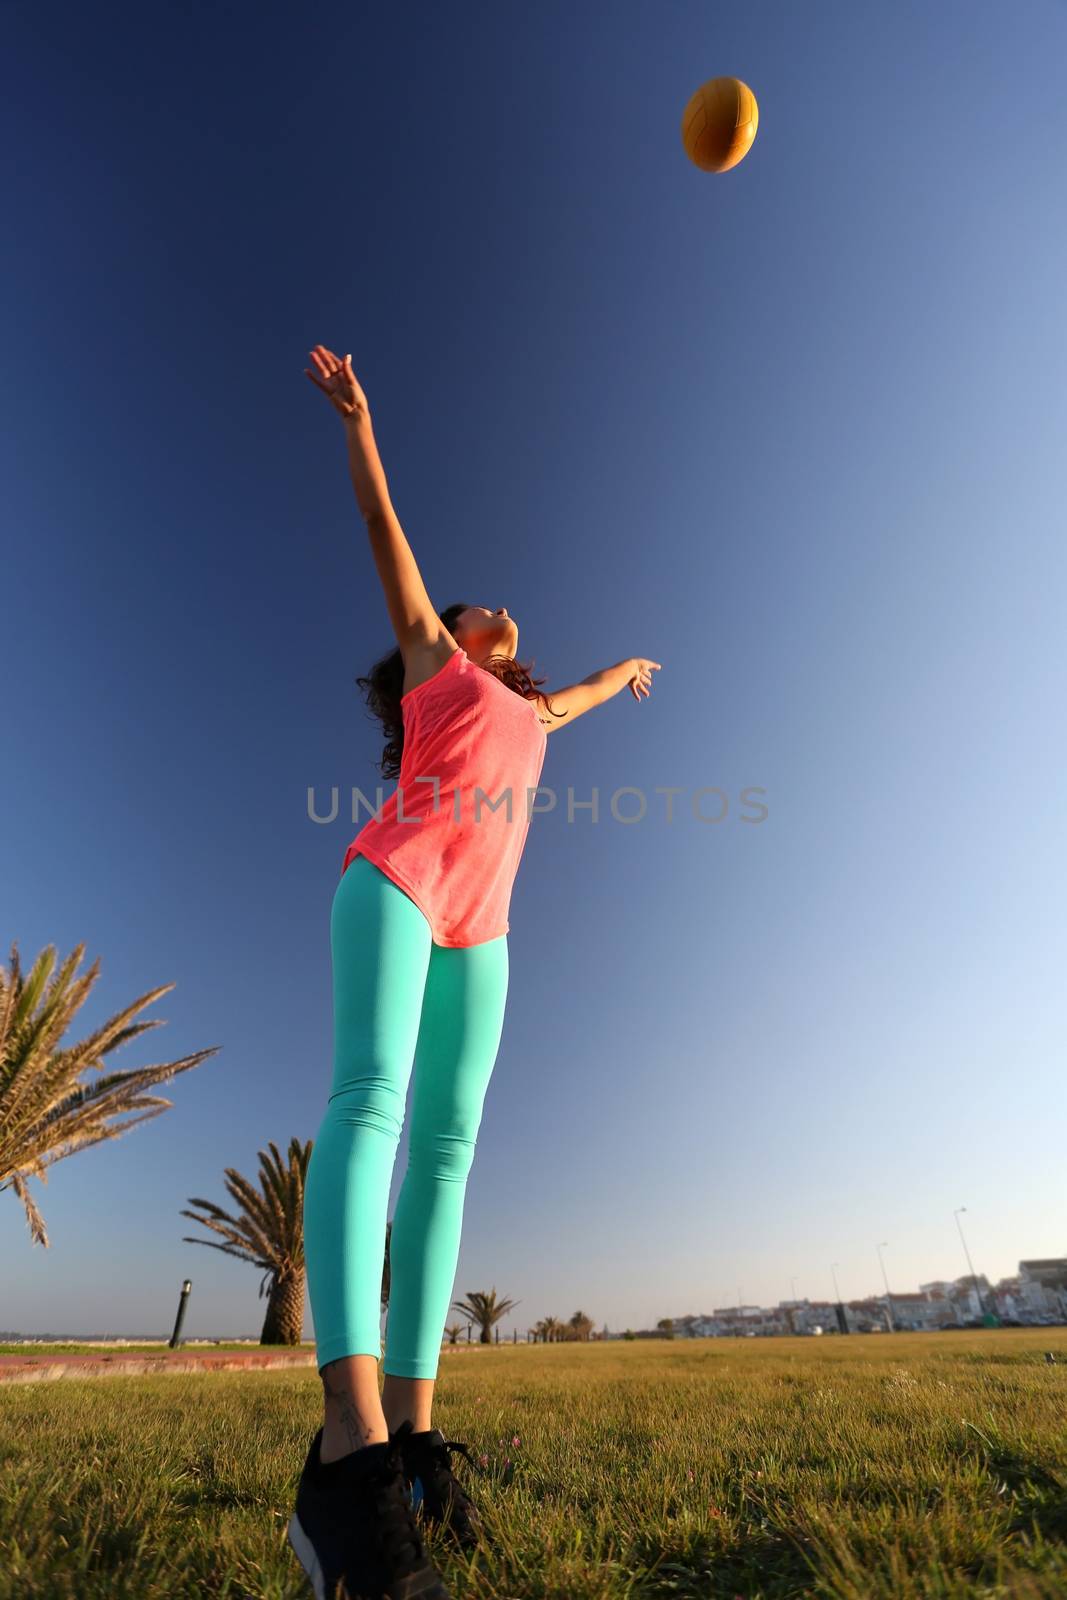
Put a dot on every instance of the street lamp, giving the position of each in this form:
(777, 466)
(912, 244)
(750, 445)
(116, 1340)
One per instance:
(970, 1263)
(889, 1297)
(183, 1300)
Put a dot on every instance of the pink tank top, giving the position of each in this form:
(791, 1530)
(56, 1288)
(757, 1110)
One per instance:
(457, 858)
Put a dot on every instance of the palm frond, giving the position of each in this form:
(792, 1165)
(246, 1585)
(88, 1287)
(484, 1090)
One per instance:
(38, 1232)
(46, 1112)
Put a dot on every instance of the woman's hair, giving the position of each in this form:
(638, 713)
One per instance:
(384, 684)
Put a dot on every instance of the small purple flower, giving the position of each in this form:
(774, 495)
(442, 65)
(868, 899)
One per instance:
(515, 1439)
(483, 1461)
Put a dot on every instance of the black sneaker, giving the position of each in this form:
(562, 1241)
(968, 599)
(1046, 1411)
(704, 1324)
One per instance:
(354, 1531)
(434, 1489)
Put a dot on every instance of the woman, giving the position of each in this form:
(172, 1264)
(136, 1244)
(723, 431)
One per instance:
(418, 934)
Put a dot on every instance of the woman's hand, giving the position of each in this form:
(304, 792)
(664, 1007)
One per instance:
(641, 675)
(338, 383)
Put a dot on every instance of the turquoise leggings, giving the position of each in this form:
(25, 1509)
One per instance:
(398, 1000)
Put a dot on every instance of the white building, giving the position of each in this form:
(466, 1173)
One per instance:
(1043, 1288)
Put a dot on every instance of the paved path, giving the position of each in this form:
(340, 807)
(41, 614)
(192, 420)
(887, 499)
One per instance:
(39, 1364)
(29, 1368)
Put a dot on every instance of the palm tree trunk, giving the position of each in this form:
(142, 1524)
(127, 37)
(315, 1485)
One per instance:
(284, 1322)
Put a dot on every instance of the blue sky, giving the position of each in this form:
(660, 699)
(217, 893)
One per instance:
(795, 432)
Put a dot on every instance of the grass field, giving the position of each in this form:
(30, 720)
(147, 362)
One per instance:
(929, 1465)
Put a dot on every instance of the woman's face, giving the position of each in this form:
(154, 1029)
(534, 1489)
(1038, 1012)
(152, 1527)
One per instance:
(484, 633)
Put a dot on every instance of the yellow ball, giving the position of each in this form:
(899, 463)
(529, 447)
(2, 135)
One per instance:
(719, 124)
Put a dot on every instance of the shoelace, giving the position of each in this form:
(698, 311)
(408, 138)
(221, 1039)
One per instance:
(395, 1527)
(453, 1444)
(465, 1515)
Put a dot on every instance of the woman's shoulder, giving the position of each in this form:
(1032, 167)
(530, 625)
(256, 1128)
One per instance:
(424, 663)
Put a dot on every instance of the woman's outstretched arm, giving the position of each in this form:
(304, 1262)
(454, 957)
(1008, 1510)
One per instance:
(411, 611)
(635, 671)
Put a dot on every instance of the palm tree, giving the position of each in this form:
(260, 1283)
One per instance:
(45, 1112)
(267, 1231)
(553, 1329)
(581, 1326)
(484, 1310)
(454, 1331)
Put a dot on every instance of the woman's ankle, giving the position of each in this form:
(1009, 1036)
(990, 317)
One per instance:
(352, 1415)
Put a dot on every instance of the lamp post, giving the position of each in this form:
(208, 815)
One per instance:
(183, 1300)
(889, 1297)
(970, 1263)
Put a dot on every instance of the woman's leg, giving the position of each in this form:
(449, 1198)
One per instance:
(380, 945)
(459, 1036)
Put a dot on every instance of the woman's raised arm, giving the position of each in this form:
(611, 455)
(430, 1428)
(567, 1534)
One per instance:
(411, 611)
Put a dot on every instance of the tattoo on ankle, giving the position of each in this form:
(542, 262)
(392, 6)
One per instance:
(345, 1409)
